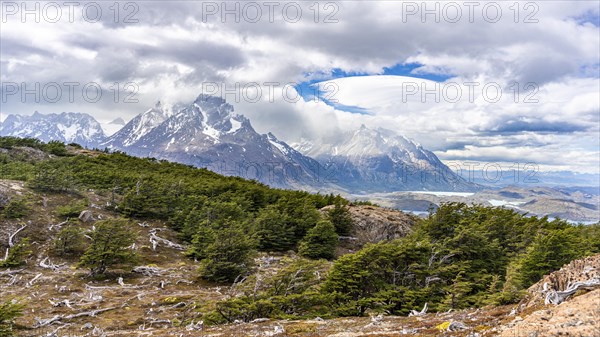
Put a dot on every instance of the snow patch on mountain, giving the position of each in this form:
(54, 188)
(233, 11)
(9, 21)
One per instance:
(68, 127)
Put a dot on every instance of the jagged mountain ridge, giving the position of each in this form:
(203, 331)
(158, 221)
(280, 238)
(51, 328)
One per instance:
(68, 127)
(379, 160)
(207, 133)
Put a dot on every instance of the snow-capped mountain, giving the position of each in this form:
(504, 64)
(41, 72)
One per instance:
(68, 127)
(137, 128)
(113, 126)
(207, 133)
(380, 160)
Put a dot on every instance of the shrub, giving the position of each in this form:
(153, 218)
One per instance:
(9, 311)
(229, 257)
(341, 219)
(110, 246)
(17, 254)
(72, 209)
(319, 242)
(70, 241)
(16, 208)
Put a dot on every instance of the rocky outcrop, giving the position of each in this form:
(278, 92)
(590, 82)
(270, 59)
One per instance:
(575, 317)
(582, 270)
(374, 224)
(578, 315)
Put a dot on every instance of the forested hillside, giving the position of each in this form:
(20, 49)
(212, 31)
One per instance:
(274, 250)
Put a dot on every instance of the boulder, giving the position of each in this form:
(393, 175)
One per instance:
(86, 216)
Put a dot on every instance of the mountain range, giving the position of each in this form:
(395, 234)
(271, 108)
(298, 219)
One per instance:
(207, 133)
(67, 127)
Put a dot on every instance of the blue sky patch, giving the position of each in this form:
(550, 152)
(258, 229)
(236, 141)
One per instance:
(588, 17)
(308, 90)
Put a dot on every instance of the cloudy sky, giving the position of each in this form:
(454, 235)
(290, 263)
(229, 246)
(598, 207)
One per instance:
(472, 81)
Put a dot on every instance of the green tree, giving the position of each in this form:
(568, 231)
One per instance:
(229, 257)
(9, 311)
(72, 209)
(52, 176)
(17, 254)
(56, 148)
(319, 242)
(201, 241)
(69, 241)
(548, 253)
(341, 218)
(16, 208)
(273, 230)
(110, 246)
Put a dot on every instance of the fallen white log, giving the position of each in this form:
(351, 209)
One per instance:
(63, 303)
(155, 240)
(419, 313)
(184, 281)
(50, 265)
(196, 326)
(44, 322)
(13, 279)
(10, 272)
(557, 297)
(11, 237)
(59, 225)
(58, 318)
(147, 270)
(11, 243)
(30, 283)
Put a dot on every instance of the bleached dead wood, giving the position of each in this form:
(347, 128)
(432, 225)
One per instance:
(155, 240)
(10, 272)
(419, 313)
(55, 332)
(13, 279)
(431, 279)
(184, 281)
(446, 258)
(59, 318)
(557, 297)
(50, 265)
(147, 270)
(89, 287)
(11, 243)
(40, 323)
(12, 236)
(152, 321)
(91, 313)
(195, 326)
(35, 278)
(63, 303)
(59, 225)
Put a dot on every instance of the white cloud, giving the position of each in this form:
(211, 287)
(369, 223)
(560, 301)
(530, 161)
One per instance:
(171, 52)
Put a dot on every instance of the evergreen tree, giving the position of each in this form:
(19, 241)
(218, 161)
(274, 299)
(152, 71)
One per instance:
(319, 242)
(201, 241)
(8, 312)
(341, 218)
(17, 254)
(70, 241)
(110, 246)
(16, 208)
(52, 176)
(229, 256)
(548, 253)
(273, 230)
